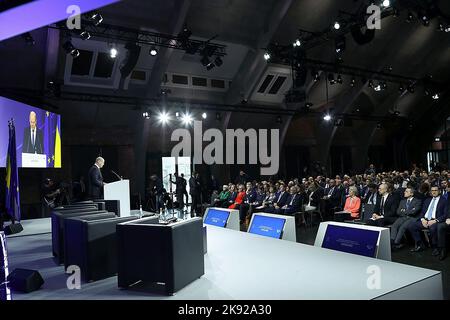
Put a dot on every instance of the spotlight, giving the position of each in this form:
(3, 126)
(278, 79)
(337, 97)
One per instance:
(153, 51)
(437, 139)
(218, 61)
(164, 117)
(337, 25)
(384, 86)
(177, 114)
(205, 61)
(316, 76)
(146, 115)
(297, 43)
(352, 82)
(410, 17)
(96, 18)
(210, 66)
(441, 27)
(436, 96)
(425, 20)
(267, 56)
(339, 122)
(340, 44)
(401, 89)
(447, 29)
(377, 88)
(28, 39)
(327, 117)
(185, 33)
(69, 48)
(113, 53)
(339, 79)
(396, 113)
(386, 3)
(204, 115)
(85, 35)
(187, 119)
(331, 78)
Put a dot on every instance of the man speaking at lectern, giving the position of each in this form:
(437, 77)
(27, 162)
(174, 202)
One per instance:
(95, 179)
(33, 141)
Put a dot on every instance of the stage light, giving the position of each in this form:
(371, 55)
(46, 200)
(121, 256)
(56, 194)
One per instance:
(316, 76)
(327, 117)
(205, 61)
(370, 83)
(177, 114)
(331, 78)
(352, 82)
(204, 115)
(97, 18)
(218, 61)
(383, 85)
(437, 139)
(267, 56)
(153, 51)
(85, 35)
(164, 117)
(337, 25)
(386, 3)
(187, 119)
(297, 43)
(69, 48)
(436, 96)
(146, 115)
(441, 27)
(377, 88)
(401, 89)
(410, 17)
(113, 53)
(339, 79)
(396, 113)
(425, 20)
(447, 29)
(185, 33)
(210, 66)
(340, 44)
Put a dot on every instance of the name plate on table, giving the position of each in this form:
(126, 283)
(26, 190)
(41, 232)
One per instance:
(34, 160)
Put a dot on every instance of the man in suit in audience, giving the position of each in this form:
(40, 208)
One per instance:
(407, 211)
(95, 179)
(434, 212)
(293, 203)
(280, 199)
(442, 229)
(385, 211)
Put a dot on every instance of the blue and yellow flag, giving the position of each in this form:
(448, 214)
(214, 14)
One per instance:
(12, 176)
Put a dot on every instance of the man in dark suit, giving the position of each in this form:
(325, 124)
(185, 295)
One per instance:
(95, 179)
(385, 211)
(281, 198)
(442, 229)
(195, 190)
(33, 141)
(407, 211)
(434, 212)
(180, 189)
(293, 203)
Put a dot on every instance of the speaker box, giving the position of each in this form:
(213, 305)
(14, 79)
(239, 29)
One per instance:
(25, 280)
(13, 228)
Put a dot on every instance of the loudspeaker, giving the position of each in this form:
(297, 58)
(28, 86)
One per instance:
(25, 280)
(13, 228)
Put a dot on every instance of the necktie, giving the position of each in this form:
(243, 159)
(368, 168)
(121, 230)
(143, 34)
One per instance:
(331, 191)
(408, 202)
(32, 137)
(292, 200)
(382, 206)
(430, 209)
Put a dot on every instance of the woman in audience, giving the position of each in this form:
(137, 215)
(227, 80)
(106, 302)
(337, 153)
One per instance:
(231, 197)
(239, 198)
(223, 197)
(353, 203)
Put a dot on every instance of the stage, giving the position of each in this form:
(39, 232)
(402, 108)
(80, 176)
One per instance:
(241, 266)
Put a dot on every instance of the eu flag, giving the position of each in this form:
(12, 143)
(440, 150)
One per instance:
(12, 176)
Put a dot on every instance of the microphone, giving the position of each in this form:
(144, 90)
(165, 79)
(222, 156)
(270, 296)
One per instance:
(119, 177)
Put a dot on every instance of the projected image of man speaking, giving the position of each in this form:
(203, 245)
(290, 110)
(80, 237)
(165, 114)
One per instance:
(32, 137)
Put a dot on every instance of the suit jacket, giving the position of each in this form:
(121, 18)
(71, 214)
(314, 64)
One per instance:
(95, 182)
(194, 186)
(294, 202)
(390, 206)
(28, 147)
(410, 211)
(315, 197)
(441, 209)
(281, 201)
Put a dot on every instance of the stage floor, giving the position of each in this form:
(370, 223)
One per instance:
(241, 266)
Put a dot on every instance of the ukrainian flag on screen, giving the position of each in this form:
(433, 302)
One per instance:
(58, 144)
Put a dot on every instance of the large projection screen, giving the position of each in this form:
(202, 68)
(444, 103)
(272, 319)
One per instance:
(38, 135)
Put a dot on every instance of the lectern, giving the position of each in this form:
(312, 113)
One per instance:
(119, 190)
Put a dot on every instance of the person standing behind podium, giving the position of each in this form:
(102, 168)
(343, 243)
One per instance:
(95, 179)
(32, 137)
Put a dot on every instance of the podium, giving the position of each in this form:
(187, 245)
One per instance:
(34, 160)
(119, 190)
